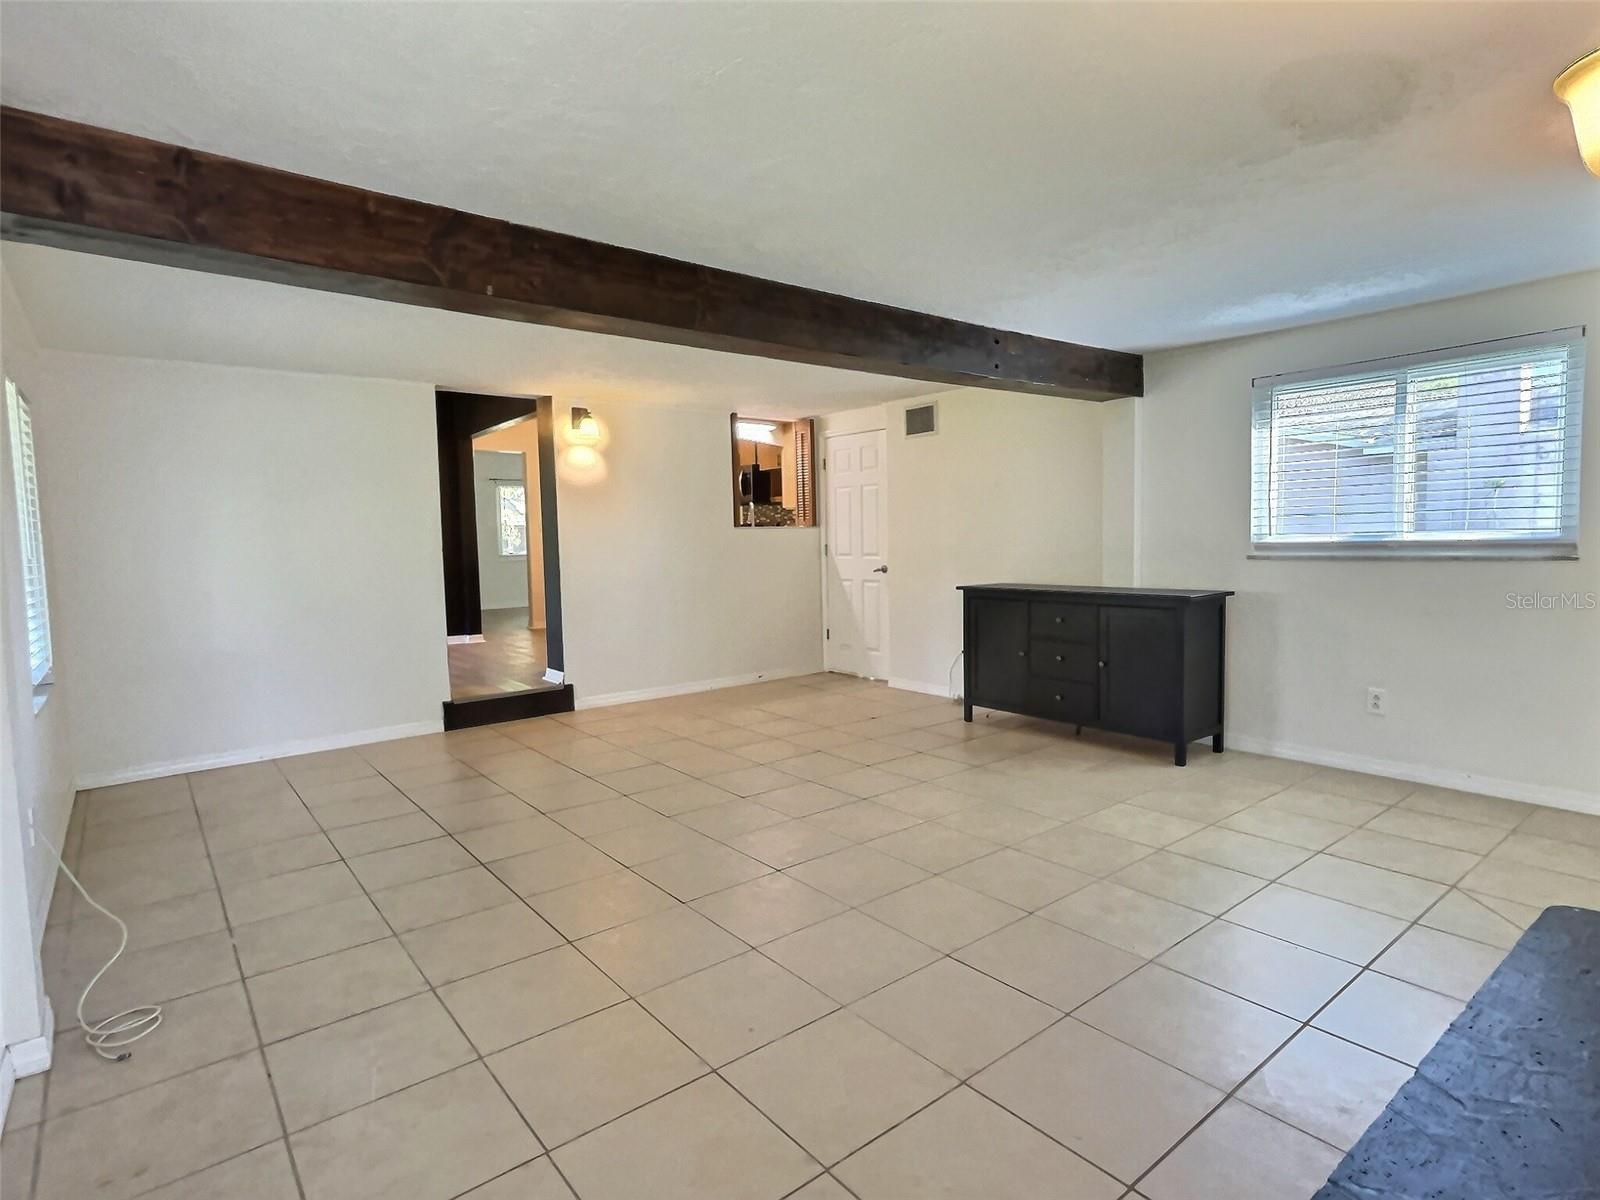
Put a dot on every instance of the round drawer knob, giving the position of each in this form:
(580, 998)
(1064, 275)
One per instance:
(1058, 658)
(1022, 654)
(1058, 695)
(1058, 620)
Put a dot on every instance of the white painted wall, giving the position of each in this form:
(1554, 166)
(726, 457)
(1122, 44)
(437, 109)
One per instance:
(1008, 490)
(1482, 695)
(246, 560)
(227, 527)
(659, 591)
(502, 582)
(1118, 496)
(36, 764)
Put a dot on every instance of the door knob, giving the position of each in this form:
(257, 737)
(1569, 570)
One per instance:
(883, 570)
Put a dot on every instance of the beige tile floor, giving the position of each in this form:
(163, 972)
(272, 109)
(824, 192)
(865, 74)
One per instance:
(810, 938)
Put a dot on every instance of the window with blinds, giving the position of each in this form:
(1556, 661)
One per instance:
(1472, 450)
(511, 518)
(25, 473)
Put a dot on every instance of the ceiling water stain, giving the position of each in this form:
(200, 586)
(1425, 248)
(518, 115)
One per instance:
(1336, 97)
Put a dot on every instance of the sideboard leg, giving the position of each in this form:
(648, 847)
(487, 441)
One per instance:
(1216, 742)
(1180, 753)
(966, 712)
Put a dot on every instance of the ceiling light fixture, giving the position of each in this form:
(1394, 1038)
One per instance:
(765, 432)
(1579, 88)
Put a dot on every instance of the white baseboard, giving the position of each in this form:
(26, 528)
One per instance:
(8, 1083)
(234, 758)
(21, 1060)
(34, 1055)
(464, 639)
(1510, 789)
(607, 699)
(940, 690)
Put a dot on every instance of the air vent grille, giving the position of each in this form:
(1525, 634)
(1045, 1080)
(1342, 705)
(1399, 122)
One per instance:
(924, 418)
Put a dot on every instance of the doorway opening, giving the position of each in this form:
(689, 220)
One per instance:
(501, 558)
(508, 655)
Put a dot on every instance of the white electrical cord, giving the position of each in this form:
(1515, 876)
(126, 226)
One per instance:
(108, 1036)
(950, 675)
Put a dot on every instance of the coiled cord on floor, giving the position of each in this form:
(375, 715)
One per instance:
(109, 1036)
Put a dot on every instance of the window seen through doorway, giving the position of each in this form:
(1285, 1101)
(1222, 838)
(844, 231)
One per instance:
(511, 505)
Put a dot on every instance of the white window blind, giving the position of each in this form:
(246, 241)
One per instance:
(1472, 450)
(25, 473)
(511, 508)
(802, 474)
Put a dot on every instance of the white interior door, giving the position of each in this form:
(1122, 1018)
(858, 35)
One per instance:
(856, 576)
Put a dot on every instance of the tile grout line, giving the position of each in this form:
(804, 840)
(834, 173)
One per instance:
(1261, 1066)
(777, 1037)
(255, 1024)
(216, 885)
(755, 798)
(478, 1056)
(259, 1049)
(629, 998)
(711, 1071)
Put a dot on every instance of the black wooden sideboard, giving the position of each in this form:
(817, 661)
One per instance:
(1142, 661)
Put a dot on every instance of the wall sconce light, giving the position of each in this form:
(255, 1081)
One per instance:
(584, 426)
(1579, 88)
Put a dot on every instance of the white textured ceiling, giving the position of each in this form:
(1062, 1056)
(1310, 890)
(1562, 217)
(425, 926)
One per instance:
(1125, 174)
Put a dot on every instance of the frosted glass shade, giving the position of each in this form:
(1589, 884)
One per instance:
(1579, 88)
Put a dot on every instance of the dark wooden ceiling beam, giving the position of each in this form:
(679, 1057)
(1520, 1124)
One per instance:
(83, 188)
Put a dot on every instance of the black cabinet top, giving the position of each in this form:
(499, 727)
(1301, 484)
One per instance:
(1067, 591)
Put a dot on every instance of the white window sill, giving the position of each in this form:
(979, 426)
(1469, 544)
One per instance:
(1562, 553)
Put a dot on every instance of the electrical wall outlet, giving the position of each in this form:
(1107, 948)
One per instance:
(1378, 702)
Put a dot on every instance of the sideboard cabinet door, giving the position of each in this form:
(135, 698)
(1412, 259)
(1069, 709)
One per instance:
(1139, 688)
(1000, 656)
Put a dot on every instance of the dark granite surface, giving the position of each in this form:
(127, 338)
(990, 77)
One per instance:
(1507, 1103)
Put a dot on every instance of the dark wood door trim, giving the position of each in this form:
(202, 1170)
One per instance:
(460, 417)
(555, 652)
(80, 187)
(512, 706)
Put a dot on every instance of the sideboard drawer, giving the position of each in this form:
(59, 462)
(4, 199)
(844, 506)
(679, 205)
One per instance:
(1071, 622)
(1060, 700)
(1072, 661)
